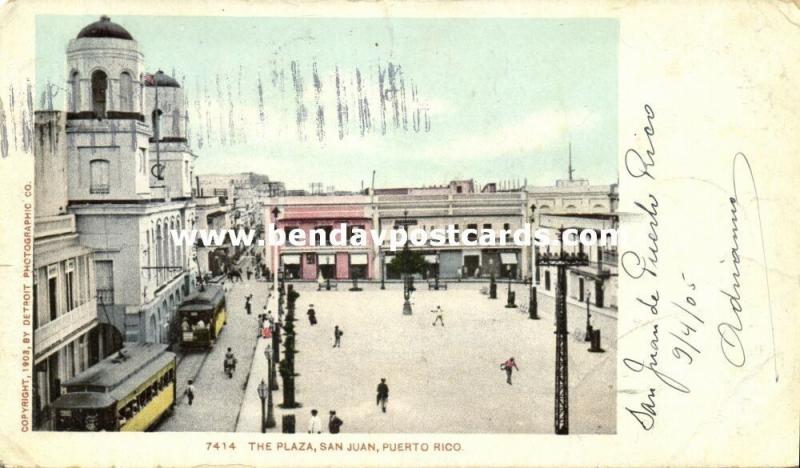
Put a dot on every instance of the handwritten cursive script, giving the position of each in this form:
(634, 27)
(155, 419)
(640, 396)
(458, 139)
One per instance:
(731, 330)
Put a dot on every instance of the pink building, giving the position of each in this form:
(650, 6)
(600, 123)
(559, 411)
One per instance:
(341, 262)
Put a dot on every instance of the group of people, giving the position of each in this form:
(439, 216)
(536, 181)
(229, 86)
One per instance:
(335, 423)
(127, 412)
(315, 423)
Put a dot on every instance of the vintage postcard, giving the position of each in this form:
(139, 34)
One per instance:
(399, 234)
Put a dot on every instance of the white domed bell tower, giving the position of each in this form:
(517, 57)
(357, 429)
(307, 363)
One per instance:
(106, 127)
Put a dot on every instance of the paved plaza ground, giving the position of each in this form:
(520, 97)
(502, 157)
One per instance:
(441, 379)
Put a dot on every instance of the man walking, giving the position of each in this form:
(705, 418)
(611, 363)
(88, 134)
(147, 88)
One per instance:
(334, 423)
(439, 313)
(247, 306)
(312, 315)
(189, 392)
(383, 395)
(314, 424)
(509, 366)
(337, 337)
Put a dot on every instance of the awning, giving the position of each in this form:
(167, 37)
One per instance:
(291, 259)
(358, 259)
(508, 258)
(432, 258)
(327, 259)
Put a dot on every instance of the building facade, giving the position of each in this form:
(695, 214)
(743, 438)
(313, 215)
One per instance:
(130, 173)
(67, 338)
(578, 205)
(326, 213)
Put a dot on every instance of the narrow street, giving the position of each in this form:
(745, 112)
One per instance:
(218, 398)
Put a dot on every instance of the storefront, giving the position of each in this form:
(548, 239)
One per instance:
(358, 265)
(291, 266)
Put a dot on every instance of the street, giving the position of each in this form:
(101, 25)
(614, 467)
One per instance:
(218, 398)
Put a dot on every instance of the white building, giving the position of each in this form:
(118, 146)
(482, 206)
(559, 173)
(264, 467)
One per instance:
(124, 214)
(576, 204)
(67, 339)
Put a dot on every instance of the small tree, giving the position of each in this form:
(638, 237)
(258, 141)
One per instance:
(407, 261)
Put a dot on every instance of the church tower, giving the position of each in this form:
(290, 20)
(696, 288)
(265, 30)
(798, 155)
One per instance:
(106, 128)
(166, 113)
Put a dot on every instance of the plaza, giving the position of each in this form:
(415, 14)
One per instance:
(441, 379)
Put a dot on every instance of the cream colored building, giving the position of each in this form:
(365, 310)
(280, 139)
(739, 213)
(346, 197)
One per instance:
(123, 212)
(67, 339)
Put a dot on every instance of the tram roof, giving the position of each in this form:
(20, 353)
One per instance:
(112, 371)
(84, 400)
(211, 295)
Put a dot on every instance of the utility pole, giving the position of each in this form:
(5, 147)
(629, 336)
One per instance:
(562, 261)
(571, 170)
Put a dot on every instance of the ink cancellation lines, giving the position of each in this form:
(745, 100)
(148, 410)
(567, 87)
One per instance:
(256, 106)
(16, 120)
(317, 104)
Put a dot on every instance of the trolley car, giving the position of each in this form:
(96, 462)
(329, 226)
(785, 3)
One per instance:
(128, 391)
(201, 316)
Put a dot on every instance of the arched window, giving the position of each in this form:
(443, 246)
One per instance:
(159, 261)
(125, 92)
(98, 174)
(99, 88)
(178, 247)
(75, 91)
(176, 123)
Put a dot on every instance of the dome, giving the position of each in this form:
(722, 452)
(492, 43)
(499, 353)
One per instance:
(105, 28)
(162, 79)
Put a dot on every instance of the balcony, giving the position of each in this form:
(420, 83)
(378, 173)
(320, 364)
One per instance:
(53, 332)
(105, 296)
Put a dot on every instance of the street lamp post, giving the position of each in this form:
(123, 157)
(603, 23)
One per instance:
(270, 423)
(510, 303)
(383, 270)
(275, 212)
(408, 284)
(561, 261)
(436, 286)
(533, 305)
(275, 349)
(262, 393)
(588, 317)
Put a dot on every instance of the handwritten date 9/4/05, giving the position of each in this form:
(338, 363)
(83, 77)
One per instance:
(683, 345)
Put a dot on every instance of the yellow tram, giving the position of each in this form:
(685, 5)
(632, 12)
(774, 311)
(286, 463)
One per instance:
(201, 316)
(128, 391)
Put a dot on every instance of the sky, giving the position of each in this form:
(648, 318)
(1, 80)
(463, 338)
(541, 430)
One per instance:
(488, 99)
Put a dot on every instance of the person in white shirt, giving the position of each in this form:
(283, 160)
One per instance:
(314, 424)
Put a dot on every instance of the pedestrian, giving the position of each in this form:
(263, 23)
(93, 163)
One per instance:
(334, 423)
(508, 366)
(314, 424)
(189, 392)
(438, 311)
(249, 274)
(337, 337)
(229, 365)
(383, 395)
(312, 315)
(247, 306)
